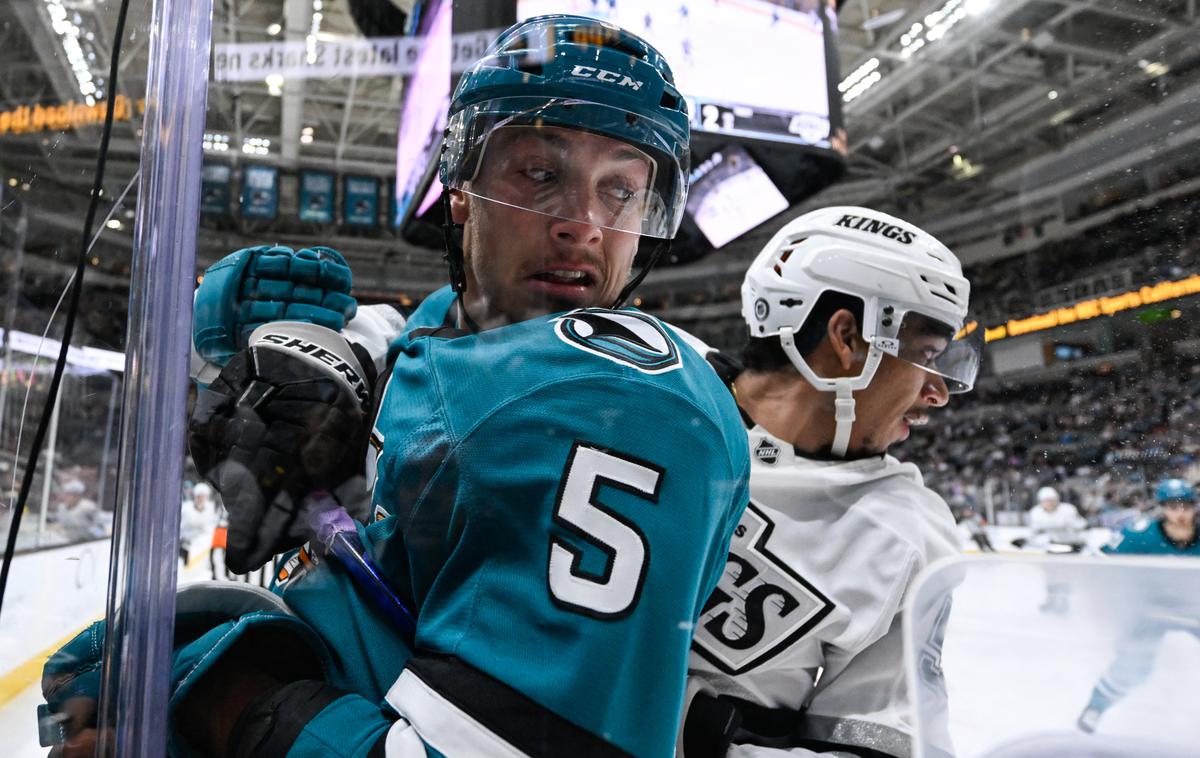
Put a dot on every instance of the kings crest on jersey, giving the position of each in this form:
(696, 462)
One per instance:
(815, 580)
(760, 606)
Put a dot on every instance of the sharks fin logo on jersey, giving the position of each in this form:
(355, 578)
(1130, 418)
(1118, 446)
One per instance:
(627, 337)
(760, 606)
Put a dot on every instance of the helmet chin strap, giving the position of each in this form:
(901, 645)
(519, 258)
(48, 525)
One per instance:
(842, 386)
(844, 418)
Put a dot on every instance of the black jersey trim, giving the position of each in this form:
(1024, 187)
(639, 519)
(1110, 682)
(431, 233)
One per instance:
(271, 724)
(507, 713)
(444, 332)
(786, 727)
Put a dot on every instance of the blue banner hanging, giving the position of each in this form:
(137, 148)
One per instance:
(214, 189)
(361, 201)
(316, 197)
(260, 192)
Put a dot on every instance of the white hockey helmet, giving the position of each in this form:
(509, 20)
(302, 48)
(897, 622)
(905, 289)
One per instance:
(1047, 493)
(201, 489)
(910, 284)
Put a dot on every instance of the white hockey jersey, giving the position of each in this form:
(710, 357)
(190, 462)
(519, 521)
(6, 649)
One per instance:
(1062, 525)
(819, 570)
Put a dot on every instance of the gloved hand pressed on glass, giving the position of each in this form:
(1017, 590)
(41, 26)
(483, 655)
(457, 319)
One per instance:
(286, 416)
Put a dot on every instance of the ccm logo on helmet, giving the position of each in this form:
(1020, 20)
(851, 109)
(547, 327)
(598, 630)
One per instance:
(864, 224)
(603, 75)
(331, 359)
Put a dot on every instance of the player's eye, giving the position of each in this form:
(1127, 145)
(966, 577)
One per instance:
(539, 174)
(620, 193)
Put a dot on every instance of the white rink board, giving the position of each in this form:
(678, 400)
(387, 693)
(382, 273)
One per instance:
(51, 593)
(46, 618)
(1013, 670)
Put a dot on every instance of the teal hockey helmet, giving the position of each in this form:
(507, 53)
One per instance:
(1174, 490)
(515, 117)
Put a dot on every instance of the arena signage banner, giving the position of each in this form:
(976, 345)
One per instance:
(260, 192)
(1101, 306)
(316, 197)
(214, 189)
(360, 201)
(69, 115)
(93, 358)
(377, 56)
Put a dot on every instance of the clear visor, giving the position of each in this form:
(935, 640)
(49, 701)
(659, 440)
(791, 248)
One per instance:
(939, 348)
(556, 160)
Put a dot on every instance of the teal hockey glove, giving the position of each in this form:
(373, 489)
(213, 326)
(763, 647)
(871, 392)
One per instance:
(258, 285)
(211, 620)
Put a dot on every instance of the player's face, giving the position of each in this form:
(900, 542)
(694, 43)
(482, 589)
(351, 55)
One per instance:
(521, 263)
(1180, 514)
(898, 398)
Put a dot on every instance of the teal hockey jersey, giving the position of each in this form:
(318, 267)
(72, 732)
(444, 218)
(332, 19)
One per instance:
(556, 498)
(1148, 538)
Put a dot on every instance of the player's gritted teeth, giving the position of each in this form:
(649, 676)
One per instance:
(571, 282)
(908, 421)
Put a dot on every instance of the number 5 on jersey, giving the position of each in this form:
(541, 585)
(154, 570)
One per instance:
(614, 592)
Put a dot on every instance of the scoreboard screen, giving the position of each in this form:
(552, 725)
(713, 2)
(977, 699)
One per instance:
(748, 68)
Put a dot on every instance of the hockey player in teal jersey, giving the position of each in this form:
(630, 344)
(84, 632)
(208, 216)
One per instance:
(527, 486)
(570, 567)
(1174, 533)
(555, 493)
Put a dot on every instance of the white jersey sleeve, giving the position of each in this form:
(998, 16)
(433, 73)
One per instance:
(806, 618)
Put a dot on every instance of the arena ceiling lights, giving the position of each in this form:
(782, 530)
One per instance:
(69, 33)
(930, 29)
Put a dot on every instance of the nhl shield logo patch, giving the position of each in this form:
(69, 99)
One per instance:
(627, 337)
(767, 451)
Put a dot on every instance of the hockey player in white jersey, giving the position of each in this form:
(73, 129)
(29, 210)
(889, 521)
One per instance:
(1055, 525)
(858, 329)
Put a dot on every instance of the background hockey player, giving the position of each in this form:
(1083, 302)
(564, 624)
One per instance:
(853, 317)
(976, 527)
(197, 518)
(77, 516)
(1056, 526)
(554, 496)
(1172, 533)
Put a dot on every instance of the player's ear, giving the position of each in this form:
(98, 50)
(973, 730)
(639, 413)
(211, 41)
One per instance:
(458, 207)
(845, 339)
